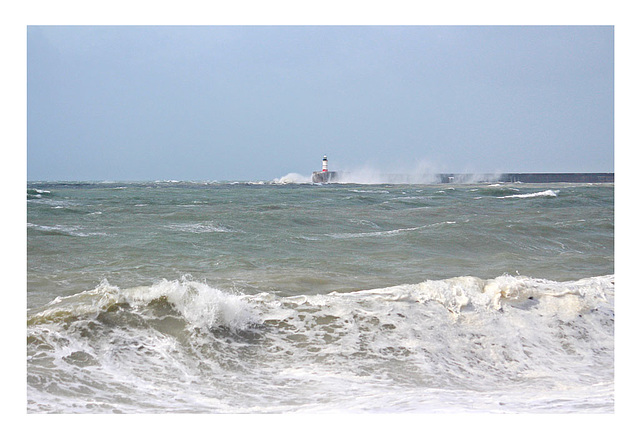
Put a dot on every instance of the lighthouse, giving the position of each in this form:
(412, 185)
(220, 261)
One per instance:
(324, 176)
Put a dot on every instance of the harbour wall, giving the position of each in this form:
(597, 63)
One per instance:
(542, 177)
(546, 177)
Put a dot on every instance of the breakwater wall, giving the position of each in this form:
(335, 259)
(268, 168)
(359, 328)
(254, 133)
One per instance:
(531, 178)
(382, 178)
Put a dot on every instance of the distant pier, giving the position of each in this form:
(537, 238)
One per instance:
(532, 178)
(547, 177)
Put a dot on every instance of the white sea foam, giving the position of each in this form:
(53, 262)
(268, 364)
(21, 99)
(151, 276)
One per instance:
(421, 174)
(200, 304)
(292, 178)
(547, 193)
(361, 191)
(385, 232)
(368, 234)
(456, 293)
(509, 344)
(206, 227)
(65, 230)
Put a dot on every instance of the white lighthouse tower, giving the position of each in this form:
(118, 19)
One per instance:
(324, 176)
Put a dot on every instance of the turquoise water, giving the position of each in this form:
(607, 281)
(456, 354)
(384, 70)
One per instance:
(262, 297)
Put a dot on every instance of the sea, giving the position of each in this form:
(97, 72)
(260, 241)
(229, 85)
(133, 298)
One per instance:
(285, 296)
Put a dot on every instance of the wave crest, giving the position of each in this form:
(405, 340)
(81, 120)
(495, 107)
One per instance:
(472, 293)
(292, 178)
(198, 303)
(547, 193)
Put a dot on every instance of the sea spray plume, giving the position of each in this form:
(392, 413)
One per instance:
(292, 178)
(362, 175)
(472, 178)
(423, 172)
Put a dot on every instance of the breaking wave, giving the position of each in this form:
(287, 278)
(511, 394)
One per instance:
(292, 178)
(547, 193)
(511, 338)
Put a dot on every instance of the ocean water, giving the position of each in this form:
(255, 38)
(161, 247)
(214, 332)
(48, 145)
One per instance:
(274, 297)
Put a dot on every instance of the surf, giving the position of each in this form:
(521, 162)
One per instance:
(462, 334)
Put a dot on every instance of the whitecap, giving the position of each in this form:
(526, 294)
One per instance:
(547, 193)
(292, 178)
(207, 227)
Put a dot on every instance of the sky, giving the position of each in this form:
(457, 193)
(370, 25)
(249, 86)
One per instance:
(259, 102)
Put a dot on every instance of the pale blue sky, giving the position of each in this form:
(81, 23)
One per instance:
(256, 103)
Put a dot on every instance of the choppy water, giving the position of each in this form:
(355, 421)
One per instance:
(219, 297)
